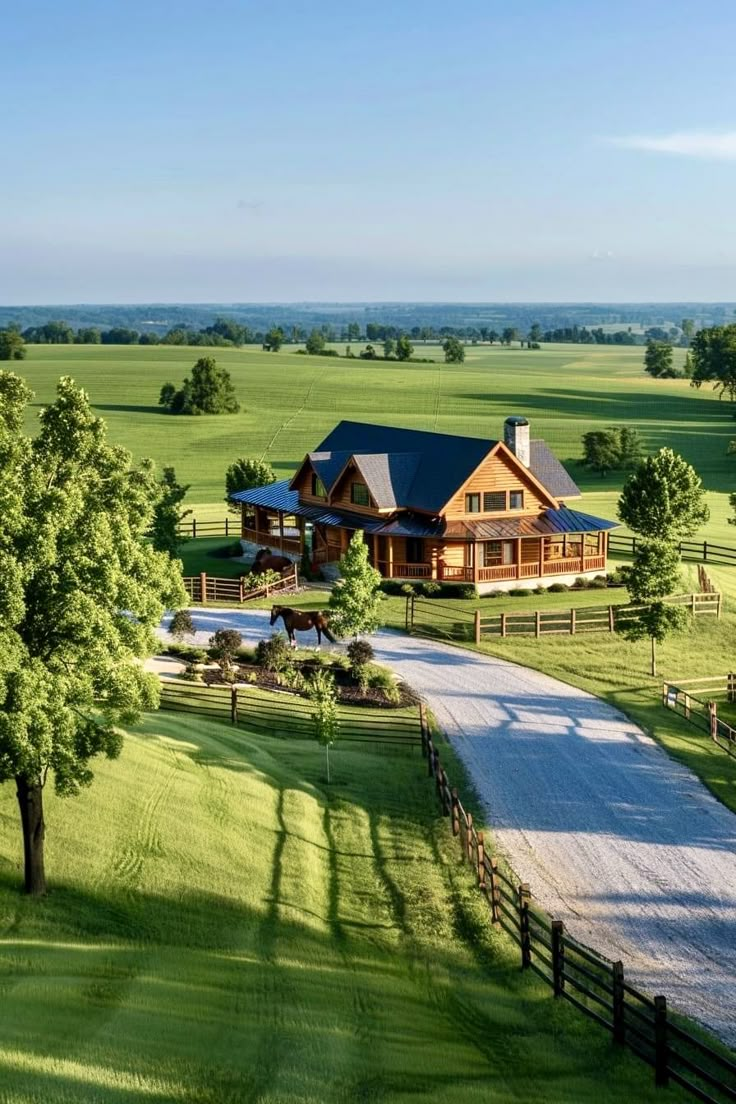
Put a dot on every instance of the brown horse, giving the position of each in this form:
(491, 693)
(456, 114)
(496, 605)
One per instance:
(266, 561)
(303, 620)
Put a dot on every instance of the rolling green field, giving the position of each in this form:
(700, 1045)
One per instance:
(225, 928)
(289, 402)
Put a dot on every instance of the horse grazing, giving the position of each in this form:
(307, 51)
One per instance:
(266, 561)
(303, 620)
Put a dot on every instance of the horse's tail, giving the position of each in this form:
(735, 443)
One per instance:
(326, 631)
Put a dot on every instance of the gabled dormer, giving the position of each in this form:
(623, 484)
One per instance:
(500, 486)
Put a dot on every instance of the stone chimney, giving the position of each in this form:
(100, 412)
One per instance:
(516, 437)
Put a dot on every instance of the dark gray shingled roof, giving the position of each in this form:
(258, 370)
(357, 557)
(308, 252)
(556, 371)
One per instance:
(423, 470)
(277, 496)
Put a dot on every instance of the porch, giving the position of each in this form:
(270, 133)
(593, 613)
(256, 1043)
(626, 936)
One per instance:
(273, 529)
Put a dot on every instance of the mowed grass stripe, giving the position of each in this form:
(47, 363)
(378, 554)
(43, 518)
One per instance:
(278, 940)
(289, 402)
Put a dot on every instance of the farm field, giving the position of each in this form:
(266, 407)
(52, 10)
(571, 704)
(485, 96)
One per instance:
(223, 927)
(289, 402)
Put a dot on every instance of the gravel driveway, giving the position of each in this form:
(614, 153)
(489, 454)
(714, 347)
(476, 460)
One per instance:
(615, 838)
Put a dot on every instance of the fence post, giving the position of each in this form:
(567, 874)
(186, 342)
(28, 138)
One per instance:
(241, 595)
(503, 624)
(227, 527)
(477, 626)
(430, 757)
(572, 621)
(526, 942)
(705, 551)
(713, 720)
(437, 770)
(469, 839)
(558, 957)
(537, 622)
(423, 726)
(481, 862)
(495, 892)
(661, 1073)
(234, 705)
(455, 813)
(444, 790)
(611, 621)
(203, 587)
(194, 527)
(617, 980)
(687, 706)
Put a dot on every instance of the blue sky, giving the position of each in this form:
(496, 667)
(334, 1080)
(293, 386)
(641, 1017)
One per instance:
(236, 151)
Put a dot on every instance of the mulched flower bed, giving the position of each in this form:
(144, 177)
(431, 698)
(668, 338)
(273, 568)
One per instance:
(348, 692)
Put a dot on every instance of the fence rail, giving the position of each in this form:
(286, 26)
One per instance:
(464, 624)
(702, 712)
(283, 714)
(696, 551)
(586, 979)
(205, 588)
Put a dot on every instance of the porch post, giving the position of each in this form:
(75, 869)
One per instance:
(390, 553)
(302, 535)
(281, 531)
(476, 562)
(518, 557)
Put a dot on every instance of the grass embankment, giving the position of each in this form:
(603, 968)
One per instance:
(223, 927)
(290, 402)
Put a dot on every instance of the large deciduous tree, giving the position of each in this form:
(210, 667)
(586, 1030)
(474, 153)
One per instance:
(167, 514)
(209, 390)
(658, 360)
(664, 498)
(454, 350)
(12, 345)
(713, 358)
(81, 592)
(356, 599)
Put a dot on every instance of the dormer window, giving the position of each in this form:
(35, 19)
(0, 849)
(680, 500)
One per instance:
(493, 501)
(359, 494)
(516, 500)
(318, 487)
(472, 504)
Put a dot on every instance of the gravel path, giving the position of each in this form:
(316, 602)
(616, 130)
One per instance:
(615, 838)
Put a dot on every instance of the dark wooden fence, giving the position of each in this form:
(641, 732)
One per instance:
(589, 981)
(430, 617)
(704, 551)
(702, 711)
(205, 588)
(277, 713)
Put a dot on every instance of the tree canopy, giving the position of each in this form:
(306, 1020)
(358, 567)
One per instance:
(664, 498)
(209, 390)
(81, 592)
(611, 449)
(658, 360)
(654, 574)
(167, 514)
(247, 472)
(454, 350)
(12, 345)
(404, 347)
(713, 359)
(315, 343)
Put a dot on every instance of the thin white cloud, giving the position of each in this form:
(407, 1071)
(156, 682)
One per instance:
(721, 146)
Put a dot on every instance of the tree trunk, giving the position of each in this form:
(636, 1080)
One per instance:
(654, 658)
(327, 754)
(30, 801)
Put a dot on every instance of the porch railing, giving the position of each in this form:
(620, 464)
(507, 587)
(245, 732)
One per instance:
(405, 570)
(497, 572)
(272, 538)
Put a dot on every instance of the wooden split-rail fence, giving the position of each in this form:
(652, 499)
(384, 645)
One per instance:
(590, 982)
(696, 700)
(428, 616)
(204, 588)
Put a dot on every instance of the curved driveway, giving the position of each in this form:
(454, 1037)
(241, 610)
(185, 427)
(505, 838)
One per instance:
(615, 838)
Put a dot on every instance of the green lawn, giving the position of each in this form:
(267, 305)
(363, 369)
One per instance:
(289, 402)
(224, 928)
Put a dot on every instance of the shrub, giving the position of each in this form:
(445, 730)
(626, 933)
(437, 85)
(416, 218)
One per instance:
(407, 589)
(392, 586)
(540, 589)
(467, 590)
(599, 582)
(273, 654)
(192, 673)
(252, 581)
(181, 625)
(224, 646)
(430, 588)
(188, 652)
(380, 678)
(581, 583)
(360, 653)
(558, 588)
(520, 592)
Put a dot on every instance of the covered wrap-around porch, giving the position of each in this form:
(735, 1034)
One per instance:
(502, 550)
